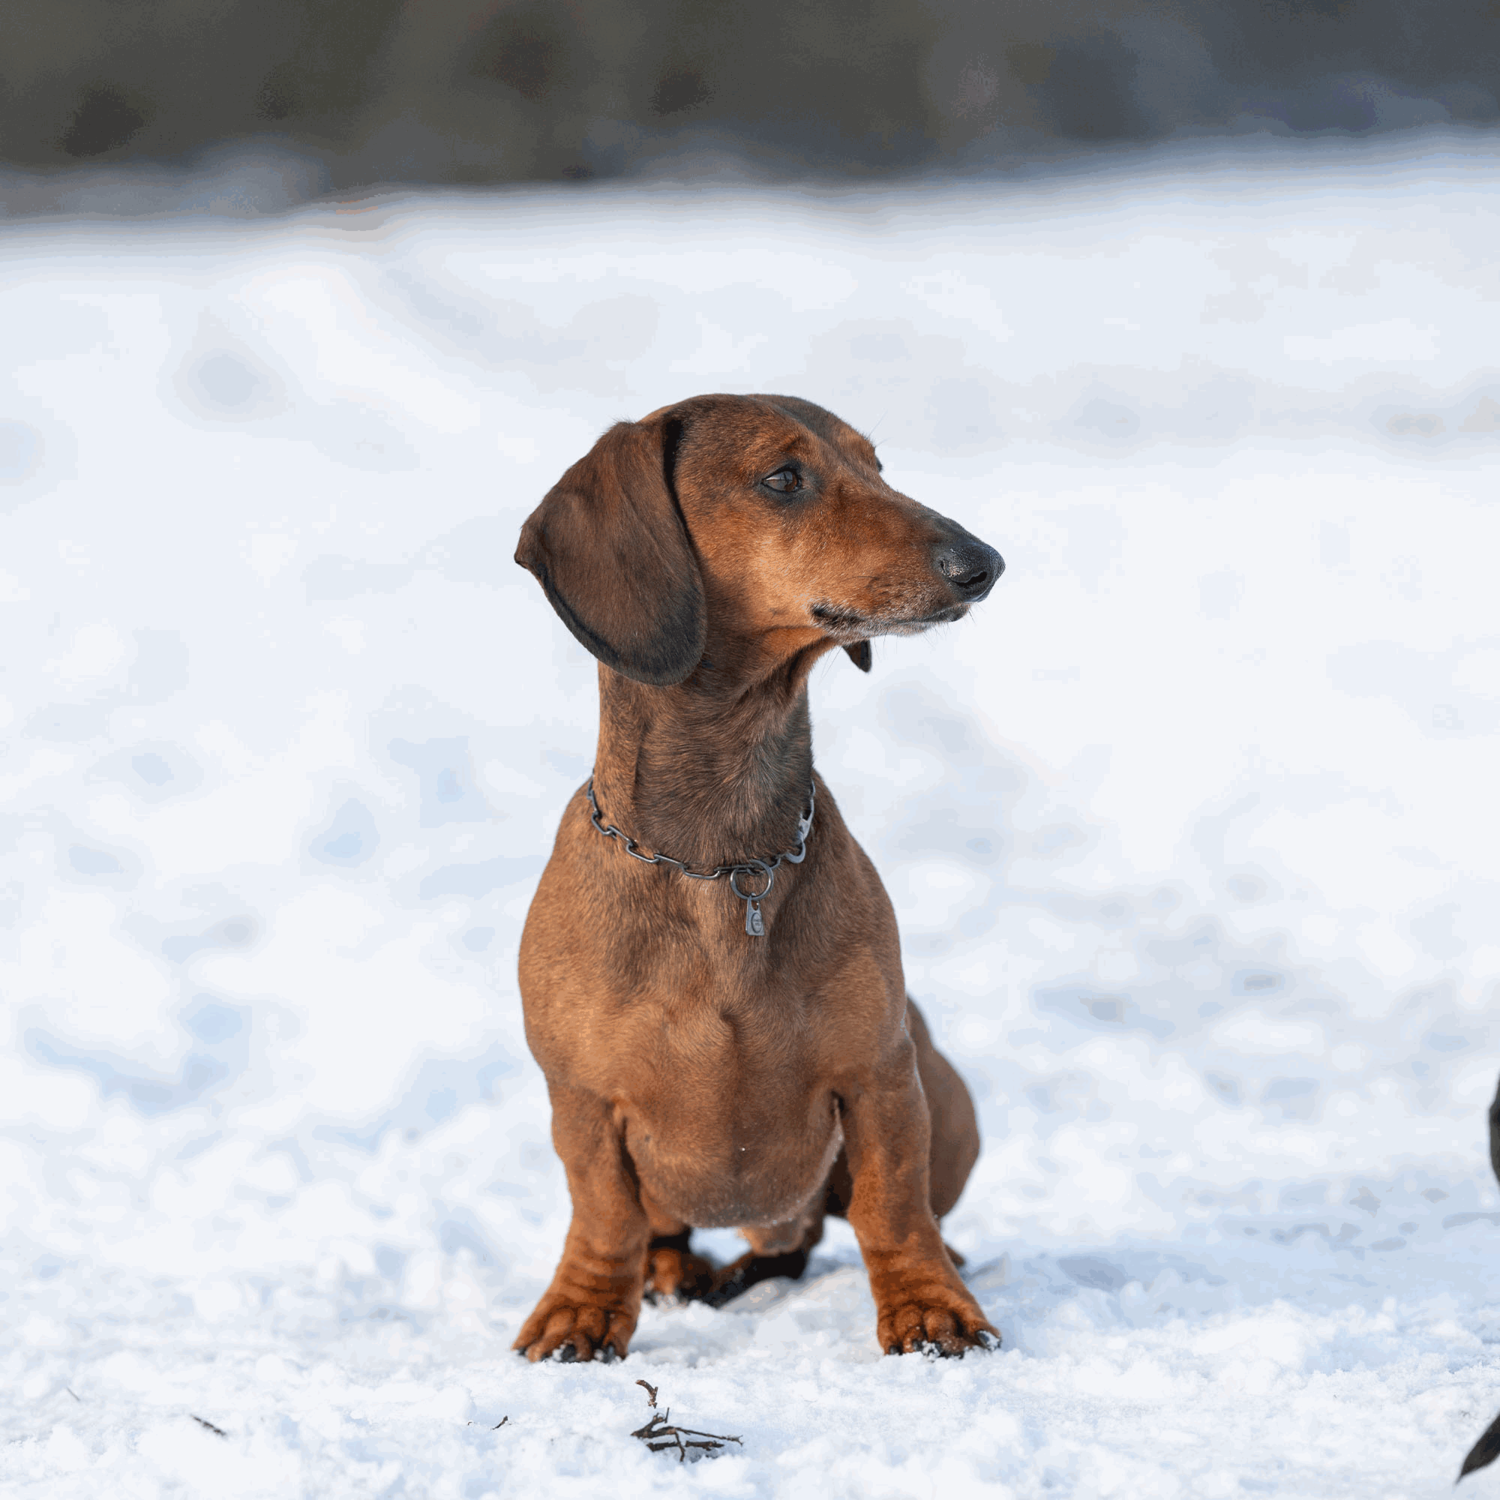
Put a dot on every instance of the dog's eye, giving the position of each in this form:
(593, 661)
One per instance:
(783, 481)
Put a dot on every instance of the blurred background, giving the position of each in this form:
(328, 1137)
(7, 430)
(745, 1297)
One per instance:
(460, 92)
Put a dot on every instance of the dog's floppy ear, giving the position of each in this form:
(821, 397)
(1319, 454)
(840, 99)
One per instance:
(861, 655)
(609, 547)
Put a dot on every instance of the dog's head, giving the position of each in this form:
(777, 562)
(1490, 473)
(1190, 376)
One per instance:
(764, 518)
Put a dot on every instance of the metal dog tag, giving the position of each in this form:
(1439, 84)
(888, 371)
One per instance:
(754, 923)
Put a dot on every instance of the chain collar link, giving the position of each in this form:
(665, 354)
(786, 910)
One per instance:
(754, 922)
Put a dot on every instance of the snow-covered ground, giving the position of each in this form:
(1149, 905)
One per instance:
(1192, 828)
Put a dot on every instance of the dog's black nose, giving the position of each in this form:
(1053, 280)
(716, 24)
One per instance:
(969, 566)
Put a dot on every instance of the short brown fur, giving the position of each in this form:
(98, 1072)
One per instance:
(700, 1076)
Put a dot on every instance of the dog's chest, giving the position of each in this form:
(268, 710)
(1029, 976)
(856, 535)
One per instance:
(727, 1112)
(735, 1050)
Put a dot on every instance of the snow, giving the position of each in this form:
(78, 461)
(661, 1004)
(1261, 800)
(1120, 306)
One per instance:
(1190, 828)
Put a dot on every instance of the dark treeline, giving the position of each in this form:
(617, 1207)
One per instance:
(472, 91)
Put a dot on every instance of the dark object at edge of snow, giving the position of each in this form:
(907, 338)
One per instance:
(1484, 1451)
(1487, 1449)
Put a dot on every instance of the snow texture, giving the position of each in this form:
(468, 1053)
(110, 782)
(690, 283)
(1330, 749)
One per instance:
(1191, 829)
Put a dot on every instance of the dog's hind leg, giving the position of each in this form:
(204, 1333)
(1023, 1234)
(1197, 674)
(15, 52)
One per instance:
(673, 1271)
(775, 1250)
(955, 1130)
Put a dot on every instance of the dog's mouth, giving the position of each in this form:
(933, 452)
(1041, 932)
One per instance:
(848, 626)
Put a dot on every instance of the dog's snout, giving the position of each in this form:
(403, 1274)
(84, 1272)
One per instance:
(970, 566)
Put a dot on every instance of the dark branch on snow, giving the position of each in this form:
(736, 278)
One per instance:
(659, 1434)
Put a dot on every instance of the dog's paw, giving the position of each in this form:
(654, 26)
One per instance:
(567, 1354)
(751, 1269)
(575, 1332)
(937, 1331)
(674, 1276)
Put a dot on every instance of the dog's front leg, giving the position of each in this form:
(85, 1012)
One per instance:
(920, 1303)
(590, 1310)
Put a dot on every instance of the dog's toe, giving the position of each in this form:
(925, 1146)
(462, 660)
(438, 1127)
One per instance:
(936, 1331)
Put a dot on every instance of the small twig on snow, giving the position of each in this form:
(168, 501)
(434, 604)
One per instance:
(659, 1434)
(217, 1431)
(498, 1425)
(74, 1394)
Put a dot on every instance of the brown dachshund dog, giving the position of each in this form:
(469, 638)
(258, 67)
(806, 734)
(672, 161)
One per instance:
(737, 1050)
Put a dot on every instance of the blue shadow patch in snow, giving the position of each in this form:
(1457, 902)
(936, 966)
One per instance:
(477, 939)
(151, 768)
(80, 863)
(445, 779)
(232, 932)
(1440, 1042)
(93, 861)
(1174, 952)
(20, 451)
(221, 1051)
(1226, 1087)
(478, 879)
(458, 1229)
(1300, 1196)
(154, 771)
(441, 1088)
(200, 1145)
(228, 383)
(1293, 1098)
(350, 839)
(213, 1022)
(1098, 1012)
(148, 1093)
(390, 1262)
(1257, 982)
(943, 831)
(1090, 1271)
(1457, 1221)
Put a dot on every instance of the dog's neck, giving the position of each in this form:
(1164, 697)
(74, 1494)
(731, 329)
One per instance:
(713, 771)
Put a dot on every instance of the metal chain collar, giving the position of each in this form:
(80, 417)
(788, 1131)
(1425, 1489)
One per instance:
(754, 923)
